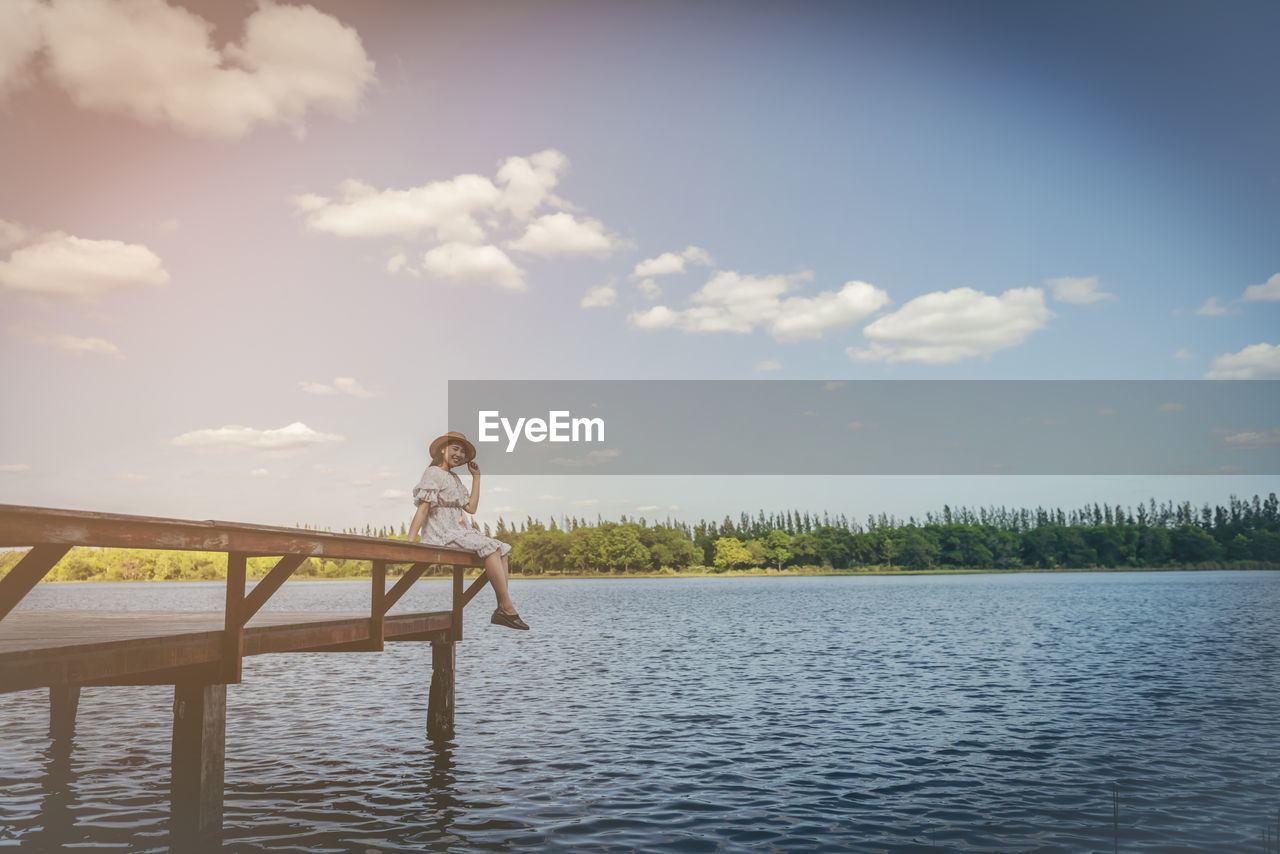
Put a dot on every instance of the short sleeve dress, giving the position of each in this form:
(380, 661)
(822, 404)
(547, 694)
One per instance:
(446, 520)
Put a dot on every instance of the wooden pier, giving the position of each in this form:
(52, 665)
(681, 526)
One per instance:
(201, 653)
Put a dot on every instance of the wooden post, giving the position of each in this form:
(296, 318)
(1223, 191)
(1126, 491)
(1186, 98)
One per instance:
(234, 618)
(378, 610)
(199, 743)
(63, 702)
(440, 702)
(459, 602)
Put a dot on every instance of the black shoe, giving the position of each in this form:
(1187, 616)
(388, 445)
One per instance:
(511, 621)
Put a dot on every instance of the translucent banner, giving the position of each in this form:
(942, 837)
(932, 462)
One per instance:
(942, 427)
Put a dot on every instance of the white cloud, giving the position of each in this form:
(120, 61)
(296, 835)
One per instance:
(947, 326)
(77, 346)
(650, 290)
(295, 437)
(732, 302)
(444, 210)
(1171, 407)
(1249, 441)
(1184, 355)
(599, 297)
(672, 262)
(396, 263)
(1255, 362)
(466, 262)
(157, 63)
(803, 318)
(527, 182)
(341, 385)
(1270, 290)
(1211, 308)
(13, 233)
(395, 494)
(563, 234)
(259, 473)
(499, 489)
(15, 468)
(65, 266)
(1080, 291)
(769, 365)
(20, 40)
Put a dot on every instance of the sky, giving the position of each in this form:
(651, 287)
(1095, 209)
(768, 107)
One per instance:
(244, 247)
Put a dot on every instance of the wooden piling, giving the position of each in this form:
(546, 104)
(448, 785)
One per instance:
(63, 702)
(440, 701)
(199, 744)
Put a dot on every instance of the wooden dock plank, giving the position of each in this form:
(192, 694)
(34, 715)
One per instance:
(47, 648)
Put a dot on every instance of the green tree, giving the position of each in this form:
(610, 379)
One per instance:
(731, 553)
(777, 545)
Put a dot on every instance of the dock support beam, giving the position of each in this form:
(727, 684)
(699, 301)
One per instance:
(440, 702)
(199, 745)
(63, 702)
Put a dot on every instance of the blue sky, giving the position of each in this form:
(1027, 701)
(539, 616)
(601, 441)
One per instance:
(300, 221)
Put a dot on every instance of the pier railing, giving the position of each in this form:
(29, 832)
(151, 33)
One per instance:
(200, 654)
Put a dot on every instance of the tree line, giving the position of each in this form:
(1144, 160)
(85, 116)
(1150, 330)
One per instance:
(1240, 533)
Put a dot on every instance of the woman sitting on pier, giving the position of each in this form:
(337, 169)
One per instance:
(442, 500)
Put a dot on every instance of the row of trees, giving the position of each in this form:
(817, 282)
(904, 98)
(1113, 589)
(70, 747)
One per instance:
(1240, 533)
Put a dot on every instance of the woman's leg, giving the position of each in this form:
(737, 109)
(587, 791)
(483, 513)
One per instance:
(495, 566)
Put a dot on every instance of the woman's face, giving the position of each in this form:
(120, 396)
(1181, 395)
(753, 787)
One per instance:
(454, 454)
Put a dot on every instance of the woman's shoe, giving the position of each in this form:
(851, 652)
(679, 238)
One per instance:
(511, 621)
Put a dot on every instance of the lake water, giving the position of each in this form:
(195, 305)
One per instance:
(980, 713)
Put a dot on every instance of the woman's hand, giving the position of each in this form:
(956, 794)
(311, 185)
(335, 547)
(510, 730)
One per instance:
(473, 468)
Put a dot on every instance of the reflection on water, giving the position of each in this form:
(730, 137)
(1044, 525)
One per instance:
(974, 713)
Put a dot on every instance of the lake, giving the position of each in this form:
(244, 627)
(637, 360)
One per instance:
(974, 713)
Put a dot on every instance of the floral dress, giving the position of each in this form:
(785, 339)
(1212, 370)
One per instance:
(446, 523)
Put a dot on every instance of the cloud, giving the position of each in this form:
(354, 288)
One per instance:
(947, 326)
(671, 262)
(1255, 362)
(1171, 407)
(156, 62)
(64, 266)
(259, 473)
(20, 41)
(803, 318)
(443, 210)
(650, 290)
(1211, 308)
(466, 262)
(1249, 441)
(769, 365)
(1184, 355)
(446, 210)
(563, 234)
(732, 302)
(284, 440)
(79, 346)
(13, 233)
(395, 494)
(1270, 290)
(341, 385)
(527, 182)
(1080, 291)
(15, 468)
(599, 297)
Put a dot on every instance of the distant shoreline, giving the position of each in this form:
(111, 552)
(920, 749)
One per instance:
(1252, 566)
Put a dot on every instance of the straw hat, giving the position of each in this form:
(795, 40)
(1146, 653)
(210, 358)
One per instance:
(438, 445)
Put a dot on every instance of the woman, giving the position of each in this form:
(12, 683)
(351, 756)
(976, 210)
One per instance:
(442, 502)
